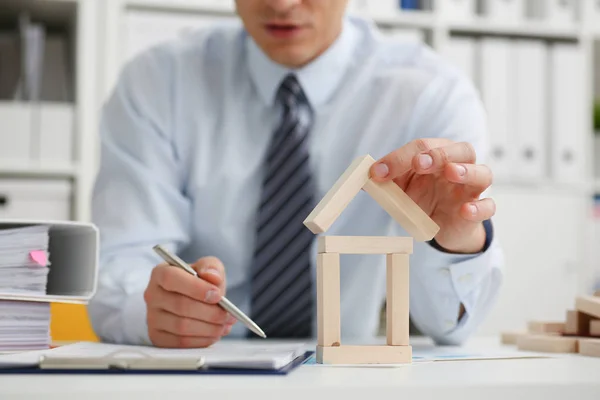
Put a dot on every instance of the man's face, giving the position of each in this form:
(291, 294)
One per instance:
(292, 32)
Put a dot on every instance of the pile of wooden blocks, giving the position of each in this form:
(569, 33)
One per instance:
(579, 333)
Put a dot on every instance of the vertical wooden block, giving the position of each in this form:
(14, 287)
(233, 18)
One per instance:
(577, 323)
(397, 300)
(328, 299)
(595, 327)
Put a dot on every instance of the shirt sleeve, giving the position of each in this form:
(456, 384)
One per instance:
(440, 281)
(138, 199)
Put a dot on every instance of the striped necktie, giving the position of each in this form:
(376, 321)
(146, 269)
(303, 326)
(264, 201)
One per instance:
(281, 299)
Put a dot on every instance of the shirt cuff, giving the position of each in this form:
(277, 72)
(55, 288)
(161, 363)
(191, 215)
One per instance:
(489, 236)
(118, 309)
(451, 280)
(135, 326)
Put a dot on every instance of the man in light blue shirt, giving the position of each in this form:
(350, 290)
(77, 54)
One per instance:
(217, 146)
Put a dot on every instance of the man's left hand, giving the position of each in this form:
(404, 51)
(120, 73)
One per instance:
(442, 177)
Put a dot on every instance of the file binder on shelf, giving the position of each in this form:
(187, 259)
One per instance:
(457, 10)
(561, 12)
(73, 254)
(530, 108)
(567, 114)
(494, 59)
(505, 11)
(460, 51)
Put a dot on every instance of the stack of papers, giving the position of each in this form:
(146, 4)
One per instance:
(24, 260)
(24, 270)
(24, 326)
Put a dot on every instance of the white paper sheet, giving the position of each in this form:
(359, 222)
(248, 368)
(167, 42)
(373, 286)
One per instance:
(428, 354)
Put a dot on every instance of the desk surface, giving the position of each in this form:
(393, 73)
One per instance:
(561, 377)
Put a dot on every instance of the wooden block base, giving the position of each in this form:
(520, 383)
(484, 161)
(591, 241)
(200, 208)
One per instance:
(548, 343)
(546, 327)
(589, 347)
(511, 337)
(364, 355)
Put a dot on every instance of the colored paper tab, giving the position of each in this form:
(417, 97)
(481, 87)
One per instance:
(40, 257)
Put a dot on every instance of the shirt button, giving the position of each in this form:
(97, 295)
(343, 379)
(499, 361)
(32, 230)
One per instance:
(445, 272)
(449, 323)
(466, 278)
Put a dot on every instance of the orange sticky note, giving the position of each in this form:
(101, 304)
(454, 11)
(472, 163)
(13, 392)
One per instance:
(40, 257)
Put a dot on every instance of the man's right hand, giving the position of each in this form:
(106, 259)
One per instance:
(182, 310)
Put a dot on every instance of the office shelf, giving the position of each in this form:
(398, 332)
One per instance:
(523, 29)
(52, 12)
(39, 171)
(209, 6)
(405, 19)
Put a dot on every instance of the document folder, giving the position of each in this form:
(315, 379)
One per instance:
(225, 357)
(73, 254)
(145, 365)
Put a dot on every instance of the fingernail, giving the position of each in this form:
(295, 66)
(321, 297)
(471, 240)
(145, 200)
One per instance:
(226, 329)
(425, 161)
(381, 170)
(461, 170)
(231, 320)
(211, 296)
(472, 209)
(212, 271)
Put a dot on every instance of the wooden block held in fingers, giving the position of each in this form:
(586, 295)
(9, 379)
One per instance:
(364, 355)
(589, 305)
(577, 323)
(547, 343)
(589, 347)
(403, 209)
(397, 299)
(328, 299)
(595, 327)
(340, 195)
(511, 337)
(546, 327)
(364, 244)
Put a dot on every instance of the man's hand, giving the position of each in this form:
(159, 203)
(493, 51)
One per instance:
(442, 178)
(183, 310)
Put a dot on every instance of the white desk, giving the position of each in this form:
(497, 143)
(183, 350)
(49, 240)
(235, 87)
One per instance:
(562, 378)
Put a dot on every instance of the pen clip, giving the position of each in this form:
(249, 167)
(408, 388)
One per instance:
(173, 259)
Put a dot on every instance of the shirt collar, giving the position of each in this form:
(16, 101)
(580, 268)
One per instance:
(319, 78)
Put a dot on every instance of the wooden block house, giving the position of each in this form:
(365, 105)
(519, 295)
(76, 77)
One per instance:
(412, 218)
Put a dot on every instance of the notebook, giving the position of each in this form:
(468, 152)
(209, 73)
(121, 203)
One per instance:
(224, 355)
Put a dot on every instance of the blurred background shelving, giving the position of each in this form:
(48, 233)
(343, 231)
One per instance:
(536, 64)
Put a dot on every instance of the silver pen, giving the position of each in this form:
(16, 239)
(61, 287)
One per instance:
(226, 304)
